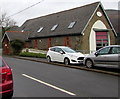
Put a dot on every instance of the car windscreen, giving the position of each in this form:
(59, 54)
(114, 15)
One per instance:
(1, 63)
(68, 50)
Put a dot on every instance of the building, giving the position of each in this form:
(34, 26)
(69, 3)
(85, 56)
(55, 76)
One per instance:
(115, 20)
(85, 28)
(9, 36)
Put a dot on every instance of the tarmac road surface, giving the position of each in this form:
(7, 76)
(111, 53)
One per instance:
(35, 79)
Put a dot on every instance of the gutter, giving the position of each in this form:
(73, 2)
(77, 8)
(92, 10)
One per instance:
(70, 66)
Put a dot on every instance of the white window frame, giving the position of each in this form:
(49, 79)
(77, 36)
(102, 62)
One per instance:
(71, 25)
(40, 29)
(54, 27)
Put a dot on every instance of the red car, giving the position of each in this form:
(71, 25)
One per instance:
(6, 80)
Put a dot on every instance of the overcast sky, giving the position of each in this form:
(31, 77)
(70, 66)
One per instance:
(45, 7)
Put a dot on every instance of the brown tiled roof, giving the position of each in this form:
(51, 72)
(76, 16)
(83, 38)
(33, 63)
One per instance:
(81, 15)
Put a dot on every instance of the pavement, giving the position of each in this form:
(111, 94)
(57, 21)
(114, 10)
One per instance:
(81, 67)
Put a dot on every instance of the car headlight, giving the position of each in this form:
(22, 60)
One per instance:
(71, 55)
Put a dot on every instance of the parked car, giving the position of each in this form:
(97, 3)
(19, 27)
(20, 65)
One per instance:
(6, 80)
(65, 55)
(108, 56)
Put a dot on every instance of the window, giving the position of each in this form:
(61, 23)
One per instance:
(68, 50)
(67, 41)
(104, 51)
(41, 28)
(49, 42)
(115, 50)
(35, 43)
(101, 39)
(71, 25)
(52, 49)
(54, 27)
(58, 49)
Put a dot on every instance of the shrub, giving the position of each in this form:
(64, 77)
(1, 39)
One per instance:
(28, 54)
(17, 46)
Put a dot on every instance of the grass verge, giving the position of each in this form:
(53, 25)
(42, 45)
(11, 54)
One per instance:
(29, 54)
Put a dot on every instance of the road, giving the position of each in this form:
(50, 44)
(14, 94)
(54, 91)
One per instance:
(35, 79)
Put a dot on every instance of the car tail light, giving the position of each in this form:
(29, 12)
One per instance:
(6, 74)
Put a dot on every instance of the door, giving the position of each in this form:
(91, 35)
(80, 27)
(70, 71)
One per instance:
(114, 56)
(59, 57)
(102, 57)
(6, 47)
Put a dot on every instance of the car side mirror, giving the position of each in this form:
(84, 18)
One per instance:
(61, 52)
(96, 54)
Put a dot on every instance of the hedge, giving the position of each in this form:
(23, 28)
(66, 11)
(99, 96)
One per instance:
(28, 54)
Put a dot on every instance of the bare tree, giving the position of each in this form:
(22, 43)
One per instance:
(6, 22)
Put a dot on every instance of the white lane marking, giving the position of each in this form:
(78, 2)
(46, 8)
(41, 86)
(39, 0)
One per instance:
(55, 87)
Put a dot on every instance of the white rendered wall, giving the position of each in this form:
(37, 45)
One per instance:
(92, 40)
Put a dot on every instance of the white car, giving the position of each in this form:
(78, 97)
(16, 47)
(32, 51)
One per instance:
(65, 55)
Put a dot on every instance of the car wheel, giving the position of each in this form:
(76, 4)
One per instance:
(48, 59)
(66, 61)
(89, 63)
